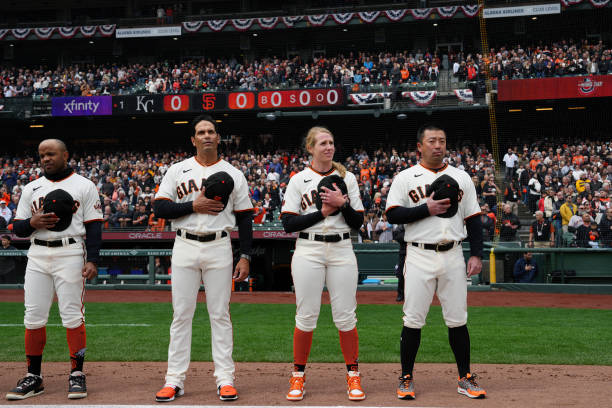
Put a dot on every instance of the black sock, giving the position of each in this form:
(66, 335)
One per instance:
(459, 340)
(409, 345)
(352, 367)
(34, 363)
(299, 367)
(77, 363)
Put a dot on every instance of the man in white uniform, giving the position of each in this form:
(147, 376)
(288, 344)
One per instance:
(434, 257)
(59, 261)
(203, 252)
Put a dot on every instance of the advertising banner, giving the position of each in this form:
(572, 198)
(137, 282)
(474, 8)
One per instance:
(533, 10)
(554, 88)
(82, 106)
(169, 235)
(173, 31)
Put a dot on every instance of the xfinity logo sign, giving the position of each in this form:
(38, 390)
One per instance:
(81, 106)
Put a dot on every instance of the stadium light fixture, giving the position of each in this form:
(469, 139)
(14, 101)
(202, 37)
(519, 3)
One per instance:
(435, 24)
(544, 109)
(515, 110)
(180, 122)
(270, 116)
(91, 41)
(11, 45)
(37, 126)
(175, 38)
(255, 34)
(345, 29)
(534, 18)
(576, 108)
(402, 116)
(218, 120)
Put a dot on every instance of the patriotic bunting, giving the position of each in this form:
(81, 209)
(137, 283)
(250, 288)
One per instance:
(342, 18)
(369, 16)
(599, 3)
(420, 98)
(447, 12)
(470, 11)
(88, 31)
(421, 14)
(396, 15)
(216, 25)
(3, 32)
(44, 33)
(242, 24)
(568, 3)
(268, 23)
(365, 98)
(290, 21)
(465, 95)
(21, 33)
(67, 32)
(107, 30)
(317, 19)
(192, 26)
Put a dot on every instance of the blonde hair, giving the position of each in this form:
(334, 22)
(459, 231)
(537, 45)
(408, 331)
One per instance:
(310, 141)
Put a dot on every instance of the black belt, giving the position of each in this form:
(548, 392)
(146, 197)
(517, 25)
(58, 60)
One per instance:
(325, 238)
(53, 244)
(200, 238)
(436, 247)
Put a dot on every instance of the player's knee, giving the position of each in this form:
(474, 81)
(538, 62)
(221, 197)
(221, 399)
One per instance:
(306, 323)
(454, 324)
(35, 318)
(413, 322)
(346, 324)
(33, 325)
(72, 323)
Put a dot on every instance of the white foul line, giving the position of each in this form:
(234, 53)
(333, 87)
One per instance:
(86, 324)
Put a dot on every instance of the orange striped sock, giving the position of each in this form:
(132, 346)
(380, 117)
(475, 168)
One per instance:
(77, 340)
(349, 343)
(35, 340)
(302, 341)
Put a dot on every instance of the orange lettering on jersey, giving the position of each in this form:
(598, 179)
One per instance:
(192, 186)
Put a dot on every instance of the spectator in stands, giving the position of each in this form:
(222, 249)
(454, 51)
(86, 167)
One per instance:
(541, 232)
(7, 263)
(567, 210)
(534, 191)
(510, 224)
(512, 195)
(124, 216)
(487, 219)
(587, 234)
(510, 159)
(140, 218)
(5, 213)
(259, 213)
(605, 229)
(384, 230)
(525, 269)
(489, 192)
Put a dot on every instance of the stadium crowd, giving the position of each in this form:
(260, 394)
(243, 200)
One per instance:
(565, 186)
(353, 69)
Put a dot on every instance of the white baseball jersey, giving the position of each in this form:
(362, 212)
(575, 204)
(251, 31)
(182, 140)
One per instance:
(301, 195)
(82, 190)
(409, 190)
(183, 182)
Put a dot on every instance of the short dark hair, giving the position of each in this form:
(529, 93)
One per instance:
(206, 117)
(427, 126)
(6, 237)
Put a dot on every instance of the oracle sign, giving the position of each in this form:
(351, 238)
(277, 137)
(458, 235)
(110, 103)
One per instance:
(298, 98)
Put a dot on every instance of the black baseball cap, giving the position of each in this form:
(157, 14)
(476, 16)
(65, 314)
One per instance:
(61, 203)
(219, 187)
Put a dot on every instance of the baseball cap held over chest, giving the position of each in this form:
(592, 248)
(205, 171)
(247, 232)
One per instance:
(61, 203)
(329, 181)
(445, 187)
(219, 187)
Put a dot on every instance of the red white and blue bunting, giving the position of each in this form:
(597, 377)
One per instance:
(366, 98)
(317, 20)
(88, 31)
(599, 3)
(107, 30)
(67, 32)
(369, 16)
(342, 18)
(395, 15)
(568, 3)
(192, 26)
(420, 98)
(447, 12)
(268, 23)
(44, 33)
(470, 11)
(421, 14)
(242, 24)
(465, 95)
(216, 25)
(21, 33)
(290, 21)
(3, 32)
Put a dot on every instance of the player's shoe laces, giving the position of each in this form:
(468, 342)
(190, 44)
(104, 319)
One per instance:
(227, 392)
(354, 390)
(168, 393)
(29, 386)
(469, 387)
(77, 388)
(296, 391)
(405, 389)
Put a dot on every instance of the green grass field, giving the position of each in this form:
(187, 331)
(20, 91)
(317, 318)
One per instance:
(263, 332)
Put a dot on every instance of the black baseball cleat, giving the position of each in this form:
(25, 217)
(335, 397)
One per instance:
(29, 386)
(399, 298)
(76, 386)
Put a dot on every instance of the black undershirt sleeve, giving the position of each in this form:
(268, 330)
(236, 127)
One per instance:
(93, 240)
(405, 215)
(22, 228)
(170, 210)
(353, 218)
(294, 223)
(244, 220)
(474, 235)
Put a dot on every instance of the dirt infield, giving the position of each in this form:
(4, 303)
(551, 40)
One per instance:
(267, 383)
(135, 383)
(497, 298)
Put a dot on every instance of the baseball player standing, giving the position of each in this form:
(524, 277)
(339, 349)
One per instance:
(56, 211)
(323, 256)
(434, 257)
(203, 253)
